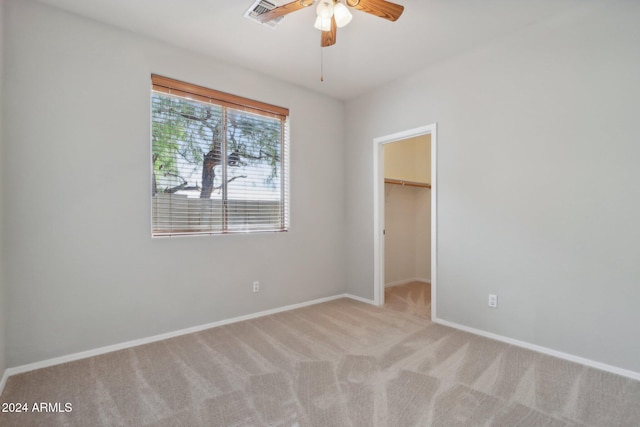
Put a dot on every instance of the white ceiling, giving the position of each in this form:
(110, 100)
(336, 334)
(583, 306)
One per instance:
(369, 51)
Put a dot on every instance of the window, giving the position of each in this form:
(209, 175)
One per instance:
(220, 162)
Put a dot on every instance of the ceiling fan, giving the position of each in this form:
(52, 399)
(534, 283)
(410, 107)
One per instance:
(332, 14)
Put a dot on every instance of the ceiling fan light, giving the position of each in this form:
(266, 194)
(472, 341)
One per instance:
(325, 8)
(323, 24)
(342, 14)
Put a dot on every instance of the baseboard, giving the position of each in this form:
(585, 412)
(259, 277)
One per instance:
(134, 343)
(544, 350)
(3, 381)
(405, 281)
(357, 298)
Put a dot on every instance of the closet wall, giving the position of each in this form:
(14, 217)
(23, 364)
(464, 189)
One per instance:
(407, 211)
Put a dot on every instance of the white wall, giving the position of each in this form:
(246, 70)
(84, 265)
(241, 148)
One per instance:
(538, 197)
(2, 168)
(422, 234)
(83, 271)
(407, 240)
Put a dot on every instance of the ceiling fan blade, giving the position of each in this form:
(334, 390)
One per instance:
(382, 8)
(329, 37)
(283, 10)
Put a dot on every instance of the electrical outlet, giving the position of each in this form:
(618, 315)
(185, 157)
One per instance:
(493, 300)
(256, 286)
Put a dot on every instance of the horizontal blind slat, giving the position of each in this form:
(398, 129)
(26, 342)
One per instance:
(185, 128)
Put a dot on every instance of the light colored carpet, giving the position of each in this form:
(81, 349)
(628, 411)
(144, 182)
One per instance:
(341, 363)
(414, 298)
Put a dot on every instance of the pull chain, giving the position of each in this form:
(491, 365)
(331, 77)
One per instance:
(321, 66)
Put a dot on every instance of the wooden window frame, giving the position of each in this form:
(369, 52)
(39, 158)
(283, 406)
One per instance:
(201, 93)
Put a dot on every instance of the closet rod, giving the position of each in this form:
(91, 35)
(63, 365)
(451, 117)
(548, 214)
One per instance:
(409, 183)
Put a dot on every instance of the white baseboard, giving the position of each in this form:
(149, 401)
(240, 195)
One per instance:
(357, 298)
(405, 281)
(3, 381)
(544, 350)
(134, 343)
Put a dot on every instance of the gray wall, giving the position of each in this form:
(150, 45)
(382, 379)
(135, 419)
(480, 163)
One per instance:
(83, 271)
(2, 168)
(538, 197)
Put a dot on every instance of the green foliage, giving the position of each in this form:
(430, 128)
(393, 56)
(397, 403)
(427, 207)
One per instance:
(184, 131)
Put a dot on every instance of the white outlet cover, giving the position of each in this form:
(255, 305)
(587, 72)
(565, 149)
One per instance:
(493, 301)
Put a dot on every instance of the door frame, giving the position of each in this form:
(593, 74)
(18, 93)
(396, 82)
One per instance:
(378, 209)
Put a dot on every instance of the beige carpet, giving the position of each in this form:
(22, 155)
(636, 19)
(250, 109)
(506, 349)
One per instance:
(414, 298)
(341, 363)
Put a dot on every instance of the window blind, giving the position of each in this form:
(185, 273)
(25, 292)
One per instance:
(220, 162)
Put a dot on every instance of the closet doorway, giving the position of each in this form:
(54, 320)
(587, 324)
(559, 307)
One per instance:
(404, 219)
